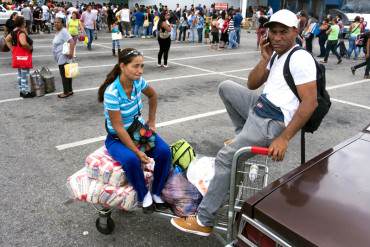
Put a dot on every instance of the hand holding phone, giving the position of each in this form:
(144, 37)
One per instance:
(266, 48)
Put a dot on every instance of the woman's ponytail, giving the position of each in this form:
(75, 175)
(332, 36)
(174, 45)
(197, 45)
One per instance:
(110, 78)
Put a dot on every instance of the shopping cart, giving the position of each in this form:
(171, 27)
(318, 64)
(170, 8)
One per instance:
(241, 188)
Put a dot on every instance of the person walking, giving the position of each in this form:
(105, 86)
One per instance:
(215, 31)
(354, 30)
(164, 38)
(331, 45)
(27, 14)
(61, 37)
(121, 93)
(238, 18)
(9, 25)
(125, 17)
(116, 37)
(74, 26)
(323, 36)
(88, 19)
(192, 21)
(367, 56)
(19, 39)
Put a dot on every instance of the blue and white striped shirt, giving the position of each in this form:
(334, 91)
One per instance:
(115, 99)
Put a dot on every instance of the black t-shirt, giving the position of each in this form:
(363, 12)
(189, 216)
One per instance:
(9, 25)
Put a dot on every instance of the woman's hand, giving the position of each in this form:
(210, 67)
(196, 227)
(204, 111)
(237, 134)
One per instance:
(143, 157)
(151, 125)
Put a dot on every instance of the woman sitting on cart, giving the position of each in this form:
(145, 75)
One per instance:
(121, 94)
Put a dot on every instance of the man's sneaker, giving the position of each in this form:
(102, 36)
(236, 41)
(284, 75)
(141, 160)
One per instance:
(228, 141)
(190, 225)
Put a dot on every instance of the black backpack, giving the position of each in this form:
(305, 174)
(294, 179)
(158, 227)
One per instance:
(323, 98)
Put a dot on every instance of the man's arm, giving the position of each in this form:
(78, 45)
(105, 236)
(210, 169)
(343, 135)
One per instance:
(259, 74)
(308, 94)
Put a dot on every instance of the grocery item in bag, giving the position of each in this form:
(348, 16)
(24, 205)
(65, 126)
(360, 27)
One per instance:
(37, 84)
(129, 201)
(200, 172)
(78, 184)
(183, 197)
(48, 79)
(71, 70)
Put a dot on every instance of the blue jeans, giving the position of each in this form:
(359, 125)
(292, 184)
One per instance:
(200, 34)
(23, 83)
(352, 46)
(132, 165)
(237, 30)
(232, 40)
(138, 30)
(90, 36)
(114, 43)
(192, 35)
(174, 32)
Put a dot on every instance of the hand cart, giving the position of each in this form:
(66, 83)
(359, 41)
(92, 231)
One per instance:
(241, 188)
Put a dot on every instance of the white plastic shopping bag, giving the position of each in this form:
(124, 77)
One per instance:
(200, 172)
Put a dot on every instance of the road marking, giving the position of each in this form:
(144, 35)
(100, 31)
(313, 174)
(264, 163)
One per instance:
(159, 125)
(105, 52)
(350, 103)
(153, 80)
(111, 65)
(347, 84)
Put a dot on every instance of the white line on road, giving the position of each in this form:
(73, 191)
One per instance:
(153, 80)
(111, 65)
(163, 124)
(350, 103)
(347, 84)
(105, 52)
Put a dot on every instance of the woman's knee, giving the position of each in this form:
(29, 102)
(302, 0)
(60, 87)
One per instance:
(225, 86)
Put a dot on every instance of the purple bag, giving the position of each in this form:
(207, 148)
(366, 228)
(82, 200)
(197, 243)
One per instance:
(183, 197)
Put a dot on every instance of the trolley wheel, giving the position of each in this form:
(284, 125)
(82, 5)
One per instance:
(105, 228)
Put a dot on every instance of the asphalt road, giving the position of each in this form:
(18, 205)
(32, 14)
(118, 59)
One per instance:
(46, 139)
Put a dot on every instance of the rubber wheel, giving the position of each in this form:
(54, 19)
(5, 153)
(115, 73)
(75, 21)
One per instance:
(108, 229)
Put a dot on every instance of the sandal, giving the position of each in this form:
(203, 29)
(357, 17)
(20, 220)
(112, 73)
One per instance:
(63, 95)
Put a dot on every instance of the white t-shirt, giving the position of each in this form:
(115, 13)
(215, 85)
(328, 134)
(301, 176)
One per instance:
(125, 15)
(303, 69)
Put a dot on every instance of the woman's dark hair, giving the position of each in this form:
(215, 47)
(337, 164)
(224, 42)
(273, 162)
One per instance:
(12, 15)
(162, 18)
(124, 57)
(357, 19)
(19, 21)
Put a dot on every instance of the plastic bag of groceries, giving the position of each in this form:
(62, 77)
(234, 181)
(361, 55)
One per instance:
(102, 181)
(200, 172)
(183, 197)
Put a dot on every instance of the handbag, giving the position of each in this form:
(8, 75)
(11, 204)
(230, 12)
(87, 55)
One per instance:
(71, 70)
(116, 36)
(142, 136)
(22, 57)
(146, 23)
(66, 47)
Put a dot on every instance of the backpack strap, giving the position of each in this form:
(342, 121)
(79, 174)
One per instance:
(288, 75)
(273, 59)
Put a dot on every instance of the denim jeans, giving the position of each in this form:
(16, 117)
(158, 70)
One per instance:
(232, 40)
(132, 165)
(23, 80)
(352, 46)
(250, 130)
(174, 32)
(200, 34)
(90, 36)
(138, 30)
(192, 34)
(237, 30)
(116, 43)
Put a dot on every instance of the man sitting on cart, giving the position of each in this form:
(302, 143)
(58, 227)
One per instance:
(271, 119)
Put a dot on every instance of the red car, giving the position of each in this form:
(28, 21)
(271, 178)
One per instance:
(325, 202)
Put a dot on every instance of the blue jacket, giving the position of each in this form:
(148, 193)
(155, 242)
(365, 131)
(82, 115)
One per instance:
(238, 18)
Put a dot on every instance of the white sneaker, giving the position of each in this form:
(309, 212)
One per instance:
(159, 65)
(166, 66)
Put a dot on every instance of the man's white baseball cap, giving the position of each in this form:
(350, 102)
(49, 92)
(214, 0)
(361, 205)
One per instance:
(285, 17)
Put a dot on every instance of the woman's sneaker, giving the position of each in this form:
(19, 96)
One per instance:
(27, 95)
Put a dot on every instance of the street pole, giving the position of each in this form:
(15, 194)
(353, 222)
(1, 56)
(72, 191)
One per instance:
(244, 7)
